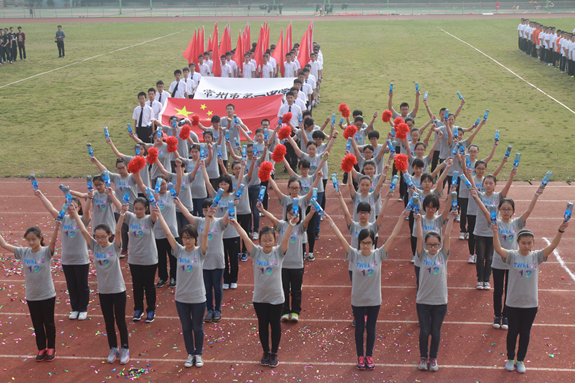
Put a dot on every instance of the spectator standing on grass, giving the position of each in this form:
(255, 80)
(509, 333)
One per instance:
(13, 44)
(155, 105)
(60, 36)
(161, 96)
(21, 37)
(142, 117)
(195, 76)
(4, 54)
(178, 88)
(190, 84)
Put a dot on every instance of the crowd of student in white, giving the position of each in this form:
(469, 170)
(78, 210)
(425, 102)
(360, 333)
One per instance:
(176, 201)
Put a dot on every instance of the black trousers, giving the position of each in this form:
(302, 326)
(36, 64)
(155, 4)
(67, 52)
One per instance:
(42, 315)
(463, 203)
(143, 277)
(22, 49)
(165, 253)
(434, 160)
(245, 221)
(231, 250)
(145, 134)
(60, 44)
(125, 237)
(471, 227)
(114, 309)
(310, 230)
(520, 323)
(292, 280)
(78, 289)
(500, 280)
(269, 316)
(484, 257)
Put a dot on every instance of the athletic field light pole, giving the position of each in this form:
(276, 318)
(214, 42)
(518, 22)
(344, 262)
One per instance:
(120, 6)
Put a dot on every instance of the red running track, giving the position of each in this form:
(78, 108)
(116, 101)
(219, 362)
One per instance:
(320, 347)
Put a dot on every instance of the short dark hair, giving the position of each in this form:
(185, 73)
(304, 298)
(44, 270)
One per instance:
(318, 134)
(177, 71)
(159, 82)
(141, 94)
(191, 231)
(365, 233)
(373, 134)
(403, 104)
(152, 90)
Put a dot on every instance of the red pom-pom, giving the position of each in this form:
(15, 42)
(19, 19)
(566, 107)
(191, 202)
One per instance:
(398, 120)
(345, 112)
(401, 163)
(152, 156)
(172, 144)
(401, 131)
(349, 131)
(195, 120)
(136, 164)
(347, 162)
(185, 132)
(284, 132)
(386, 116)
(286, 118)
(279, 153)
(265, 170)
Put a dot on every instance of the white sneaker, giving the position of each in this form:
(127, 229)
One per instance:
(486, 286)
(310, 257)
(83, 315)
(423, 364)
(285, 318)
(189, 362)
(520, 367)
(479, 285)
(226, 286)
(433, 366)
(413, 259)
(255, 236)
(400, 199)
(466, 235)
(114, 354)
(471, 259)
(73, 315)
(233, 286)
(124, 356)
(457, 219)
(462, 236)
(474, 258)
(199, 361)
(510, 365)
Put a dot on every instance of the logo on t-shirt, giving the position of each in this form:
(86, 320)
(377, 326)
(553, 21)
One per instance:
(103, 259)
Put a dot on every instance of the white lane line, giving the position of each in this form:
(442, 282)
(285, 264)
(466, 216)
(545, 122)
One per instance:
(254, 319)
(87, 59)
(509, 70)
(561, 262)
(309, 364)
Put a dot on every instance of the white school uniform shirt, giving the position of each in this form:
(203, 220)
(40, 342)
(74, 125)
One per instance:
(162, 98)
(267, 69)
(315, 68)
(310, 81)
(247, 69)
(320, 56)
(190, 85)
(273, 62)
(226, 71)
(232, 65)
(520, 29)
(211, 66)
(196, 77)
(146, 117)
(295, 111)
(182, 89)
(156, 108)
(565, 45)
(290, 69)
(306, 89)
(204, 69)
(571, 49)
(299, 102)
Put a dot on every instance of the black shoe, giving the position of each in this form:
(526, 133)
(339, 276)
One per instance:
(274, 361)
(209, 317)
(172, 283)
(497, 322)
(138, 315)
(265, 359)
(217, 316)
(50, 354)
(353, 323)
(151, 316)
(161, 283)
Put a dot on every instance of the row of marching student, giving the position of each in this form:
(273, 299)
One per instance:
(181, 218)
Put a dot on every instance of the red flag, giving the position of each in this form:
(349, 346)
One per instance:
(217, 65)
(267, 40)
(311, 37)
(304, 51)
(189, 52)
(251, 110)
(239, 53)
(259, 56)
(209, 43)
(278, 54)
(247, 39)
(287, 45)
(214, 38)
(202, 46)
(226, 44)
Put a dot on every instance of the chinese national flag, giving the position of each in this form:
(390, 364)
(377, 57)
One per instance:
(251, 110)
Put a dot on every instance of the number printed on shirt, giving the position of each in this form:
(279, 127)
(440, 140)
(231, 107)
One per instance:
(70, 234)
(187, 268)
(508, 238)
(138, 233)
(267, 270)
(367, 273)
(433, 270)
(104, 262)
(525, 273)
(34, 269)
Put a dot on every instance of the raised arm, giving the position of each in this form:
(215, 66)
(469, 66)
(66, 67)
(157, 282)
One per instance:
(500, 167)
(338, 234)
(98, 164)
(6, 246)
(435, 142)
(275, 222)
(381, 180)
(47, 204)
(118, 234)
(459, 109)
(475, 131)
(54, 237)
(527, 212)
(162, 168)
(190, 217)
(114, 149)
(288, 167)
(390, 102)
(447, 232)
(396, 230)
(344, 208)
(207, 182)
(426, 125)
(245, 237)
(165, 227)
(350, 186)
(416, 108)
(138, 178)
(276, 189)
(287, 234)
(507, 186)
(85, 232)
(490, 156)
(317, 177)
(379, 219)
(549, 248)
(110, 193)
(419, 230)
(296, 149)
(497, 243)
(206, 233)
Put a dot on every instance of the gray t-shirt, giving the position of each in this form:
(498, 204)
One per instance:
(102, 211)
(216, 134)
(213, 168)
(165, 159)
(185, 195)
(306, 184)
(215, 251)
(190, 288)
(144, 173)
(222, 209)
(319, 152)
(313, 162)
(198, 184)
(523, 287)
(354, 229)
(303, 203)
(39, 284)
(255, 180)
(299, 134)
(74, 248)
(482, 226)
(123, 183)
(370, 198)
(508, 240)
(142, 249)
(472, 208)
(435, 224)
(366, 280)
(267, 275)
(168, 210)
(108, 271)
(433, 278)
(294, 254)
(444, 146)
(243, 206)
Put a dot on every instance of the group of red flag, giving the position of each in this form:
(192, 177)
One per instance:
(197, 46)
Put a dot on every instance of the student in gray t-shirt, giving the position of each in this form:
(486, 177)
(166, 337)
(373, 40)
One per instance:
(268, 296)
(292, 267)
(366, 284)
(111, 287)
(432, 294)
(190, 292)
(522, 296)
(40, 291)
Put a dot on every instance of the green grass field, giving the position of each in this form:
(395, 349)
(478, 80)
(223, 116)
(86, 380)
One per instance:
(49, 119)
